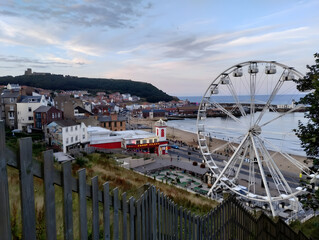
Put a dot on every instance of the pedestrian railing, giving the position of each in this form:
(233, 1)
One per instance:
(152, 216)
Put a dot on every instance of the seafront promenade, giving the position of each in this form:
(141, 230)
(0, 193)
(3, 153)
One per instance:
(189, 139)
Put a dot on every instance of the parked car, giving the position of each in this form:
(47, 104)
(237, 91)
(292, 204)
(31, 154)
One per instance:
(174, 146)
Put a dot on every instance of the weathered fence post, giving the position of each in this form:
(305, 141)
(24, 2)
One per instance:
(138, 219)
(27, 189)
(124, 216)
(49, 195)
(82, 204)
(95, 208)
(132, 211)
(5, 226)
(106, 211)
(67, 201)
(116, 214)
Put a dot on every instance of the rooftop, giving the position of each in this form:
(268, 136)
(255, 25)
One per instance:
(42, 109)
(66, 123)
(30, 99)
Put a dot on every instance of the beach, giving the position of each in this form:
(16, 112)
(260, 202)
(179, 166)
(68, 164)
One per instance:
(190, 139)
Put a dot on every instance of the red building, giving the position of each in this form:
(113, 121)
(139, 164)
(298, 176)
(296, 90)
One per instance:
(44, 115)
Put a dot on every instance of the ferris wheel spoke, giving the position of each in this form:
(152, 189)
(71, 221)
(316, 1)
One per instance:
(271, 98)
(235, 96)
(240, 130)
(225, 111)
(261, 169)
(242, 160)
(295, 162)
(228, 163)
(275, 170)
(283, 114)
(224, 145)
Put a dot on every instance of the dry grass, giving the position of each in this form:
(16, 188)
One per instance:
(108, 170)
(128, 181)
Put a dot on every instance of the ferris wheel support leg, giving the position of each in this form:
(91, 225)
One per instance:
(261, 169)
(228, 163)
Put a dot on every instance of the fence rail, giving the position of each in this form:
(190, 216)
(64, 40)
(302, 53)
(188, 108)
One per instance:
(152, 216)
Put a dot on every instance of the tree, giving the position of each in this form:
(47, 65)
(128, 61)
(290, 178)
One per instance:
(308, 133)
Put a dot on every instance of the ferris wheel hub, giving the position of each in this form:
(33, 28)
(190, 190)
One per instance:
(255, 130)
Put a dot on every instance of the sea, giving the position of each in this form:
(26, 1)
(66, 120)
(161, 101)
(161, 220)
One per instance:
(278, 135)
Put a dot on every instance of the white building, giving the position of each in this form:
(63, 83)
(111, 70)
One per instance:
(25, 108)
(66, 134)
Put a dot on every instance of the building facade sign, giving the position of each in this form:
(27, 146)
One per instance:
(145, 145)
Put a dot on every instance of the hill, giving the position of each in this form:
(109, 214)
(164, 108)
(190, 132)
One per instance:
(59, 82)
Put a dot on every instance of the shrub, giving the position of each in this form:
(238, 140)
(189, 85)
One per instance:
(195, 163)
(202, 165)
(81, 161)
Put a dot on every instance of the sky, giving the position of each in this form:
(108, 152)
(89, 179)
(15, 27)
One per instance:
(178, 46)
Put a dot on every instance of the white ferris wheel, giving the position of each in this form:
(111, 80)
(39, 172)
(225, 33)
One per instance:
(248, 162)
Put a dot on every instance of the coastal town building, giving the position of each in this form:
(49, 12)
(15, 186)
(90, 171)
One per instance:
(66, 134)
(25, 107)
(154, 113)
(113, 122)
(67, 104)
(8, 100)
(81, 112)
(44, 115)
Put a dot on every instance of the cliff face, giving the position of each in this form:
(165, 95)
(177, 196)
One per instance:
(59, 82)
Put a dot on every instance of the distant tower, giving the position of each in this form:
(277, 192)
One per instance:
(160, 130)
(28, 71)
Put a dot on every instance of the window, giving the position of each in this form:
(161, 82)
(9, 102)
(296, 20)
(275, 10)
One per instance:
(71, 128)
(138, 142)
(66, 129)
(11, 108)
(67, 140)
(115, 123)
(157, 132)
(150, 141)
(144, 141)
(11, 100)
(59, 115)
(76, 128)
(121, 123)
(110, 124)
(162, 133)
(76, 138)
(30, 118)
(71, 139)
(155, 140)
(52, 115)
(83, 136)
(11, 115)
(29, 109)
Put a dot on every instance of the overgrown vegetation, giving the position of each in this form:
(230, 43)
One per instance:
(310, 228)
(60, 82)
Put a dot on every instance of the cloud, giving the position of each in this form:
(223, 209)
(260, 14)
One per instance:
(48, 61)
(112, 14)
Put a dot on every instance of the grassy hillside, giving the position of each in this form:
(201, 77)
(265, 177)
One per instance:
(107, 169)
(59, 82)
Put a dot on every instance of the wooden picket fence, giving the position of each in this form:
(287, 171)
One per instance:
(152, 216)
